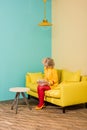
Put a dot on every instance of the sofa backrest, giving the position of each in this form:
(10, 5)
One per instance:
(84, 78)
(59, 74)
(66, 75)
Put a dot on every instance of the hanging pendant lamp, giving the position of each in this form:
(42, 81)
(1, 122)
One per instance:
(45, 22)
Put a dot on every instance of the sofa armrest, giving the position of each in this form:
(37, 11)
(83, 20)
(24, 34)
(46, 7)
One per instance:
(27, 80)
(73, 93)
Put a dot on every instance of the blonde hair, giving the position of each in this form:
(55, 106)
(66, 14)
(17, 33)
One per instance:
(48, 62)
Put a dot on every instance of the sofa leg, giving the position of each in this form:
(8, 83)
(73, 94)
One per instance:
(86, 105)
(63, 109)
(28, 96)
(46, 103)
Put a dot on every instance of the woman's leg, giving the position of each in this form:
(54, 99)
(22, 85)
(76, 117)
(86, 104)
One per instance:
(41, 90)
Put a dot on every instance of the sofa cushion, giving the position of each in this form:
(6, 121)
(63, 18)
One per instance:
(84, 78)
(70, 76)
(59, 75)
(58, 87)
(53, 93)
(35, 76)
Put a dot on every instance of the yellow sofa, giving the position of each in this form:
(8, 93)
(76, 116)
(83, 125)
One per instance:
(71, 90)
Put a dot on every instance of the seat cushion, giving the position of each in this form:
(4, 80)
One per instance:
(53, 93)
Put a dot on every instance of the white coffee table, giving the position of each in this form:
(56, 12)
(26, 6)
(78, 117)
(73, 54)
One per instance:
(18, 91)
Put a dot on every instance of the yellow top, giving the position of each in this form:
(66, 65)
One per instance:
(51, 75)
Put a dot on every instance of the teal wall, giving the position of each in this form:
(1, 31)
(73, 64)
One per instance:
(23, 43)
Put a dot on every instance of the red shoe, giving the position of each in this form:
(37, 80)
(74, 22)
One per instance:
(39, 107)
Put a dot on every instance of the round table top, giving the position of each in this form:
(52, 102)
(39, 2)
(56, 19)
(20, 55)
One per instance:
(19, 89)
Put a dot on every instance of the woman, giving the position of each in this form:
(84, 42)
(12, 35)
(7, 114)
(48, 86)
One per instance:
(51, 76)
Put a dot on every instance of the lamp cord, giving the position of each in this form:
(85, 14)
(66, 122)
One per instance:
(44, 9)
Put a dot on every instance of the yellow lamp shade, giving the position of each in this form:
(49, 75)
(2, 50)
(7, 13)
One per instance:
(45, 23)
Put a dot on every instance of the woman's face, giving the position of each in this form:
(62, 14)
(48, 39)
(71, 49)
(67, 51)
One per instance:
(48, 63)
(44, 62)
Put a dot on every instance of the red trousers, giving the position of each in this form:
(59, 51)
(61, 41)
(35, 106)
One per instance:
(41, 90)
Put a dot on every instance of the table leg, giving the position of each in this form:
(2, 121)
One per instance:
(25, 99)
(15, 102)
